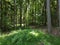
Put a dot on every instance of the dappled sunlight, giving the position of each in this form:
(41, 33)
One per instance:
(8, 0)
(11, 33)
(3, 35)
(34, 33)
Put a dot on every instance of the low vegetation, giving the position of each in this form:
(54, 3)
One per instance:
(28, 37)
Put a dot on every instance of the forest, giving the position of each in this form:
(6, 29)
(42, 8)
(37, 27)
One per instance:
(29, 22)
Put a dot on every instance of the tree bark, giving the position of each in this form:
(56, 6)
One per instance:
(48, 16)
(59, 11)
(21, 2)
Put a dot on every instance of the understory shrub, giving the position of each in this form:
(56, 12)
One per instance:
(28, 37)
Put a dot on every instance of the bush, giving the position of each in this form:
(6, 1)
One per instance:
(28, 37)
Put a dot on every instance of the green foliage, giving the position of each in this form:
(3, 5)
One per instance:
(29, 37)
(26, 12)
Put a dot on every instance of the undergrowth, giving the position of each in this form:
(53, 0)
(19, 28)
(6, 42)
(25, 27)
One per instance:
(28, 37)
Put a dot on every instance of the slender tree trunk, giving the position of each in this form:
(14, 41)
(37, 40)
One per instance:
(48, 16)
(15, 14)
(0, 14)
(59, 11)
(21, 1)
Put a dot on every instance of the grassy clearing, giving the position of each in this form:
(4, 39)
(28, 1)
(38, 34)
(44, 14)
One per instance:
(28, 37)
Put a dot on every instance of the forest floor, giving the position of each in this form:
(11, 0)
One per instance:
(54, 31)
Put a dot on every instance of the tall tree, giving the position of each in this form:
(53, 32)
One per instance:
(15, 14)
(20, 3)
(59, 11)
(48, 16)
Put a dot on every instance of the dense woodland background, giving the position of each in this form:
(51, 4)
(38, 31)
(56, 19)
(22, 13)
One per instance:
(16, 14)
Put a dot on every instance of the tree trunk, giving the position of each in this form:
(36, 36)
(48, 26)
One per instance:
(59, 11)
(21, 1)
(48, 16)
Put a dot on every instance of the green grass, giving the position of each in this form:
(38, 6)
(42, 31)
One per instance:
(28, 37)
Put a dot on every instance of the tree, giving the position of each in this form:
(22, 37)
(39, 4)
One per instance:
(59, 11)
(48, 16)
